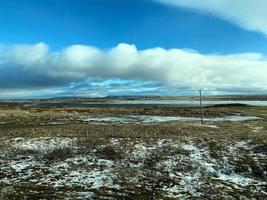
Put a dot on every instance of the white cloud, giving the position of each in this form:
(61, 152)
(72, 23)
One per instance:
(79, 56)
(28, 55)
(249, 14)
(34, 66)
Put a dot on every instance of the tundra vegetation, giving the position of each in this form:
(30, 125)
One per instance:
(61, 153)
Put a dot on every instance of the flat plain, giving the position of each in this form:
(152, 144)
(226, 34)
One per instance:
(149, 152)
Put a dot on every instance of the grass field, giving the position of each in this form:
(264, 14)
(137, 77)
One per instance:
(55, 153)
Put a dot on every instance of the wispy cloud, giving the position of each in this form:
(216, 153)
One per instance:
(249, 14)
(35, 67)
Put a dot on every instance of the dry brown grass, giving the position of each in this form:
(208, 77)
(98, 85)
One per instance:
(34, 122)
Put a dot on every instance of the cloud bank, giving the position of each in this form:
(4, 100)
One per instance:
(81, 67)
(249, 14)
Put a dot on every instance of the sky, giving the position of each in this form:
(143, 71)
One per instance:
(97, 48)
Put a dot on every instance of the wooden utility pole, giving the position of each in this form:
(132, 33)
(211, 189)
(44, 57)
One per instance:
(200, 104)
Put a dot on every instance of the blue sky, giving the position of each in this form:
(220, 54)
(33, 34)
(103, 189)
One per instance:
(47, 46)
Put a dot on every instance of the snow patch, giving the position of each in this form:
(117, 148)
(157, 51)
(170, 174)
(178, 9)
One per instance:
(160, 119)
(41, 144)
(22, 164)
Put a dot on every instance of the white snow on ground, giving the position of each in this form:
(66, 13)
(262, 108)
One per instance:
(201, 157)
(202, 162)
(85, 195)
(19, 165)
(189, 183)
(90, 172)
(237, 179)
(209, 125)
(41, 144)
(100, 176)
(62, 175)
(80, 160)
(140, 152)
(88, 179)
(160, 119)
(53, 123)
